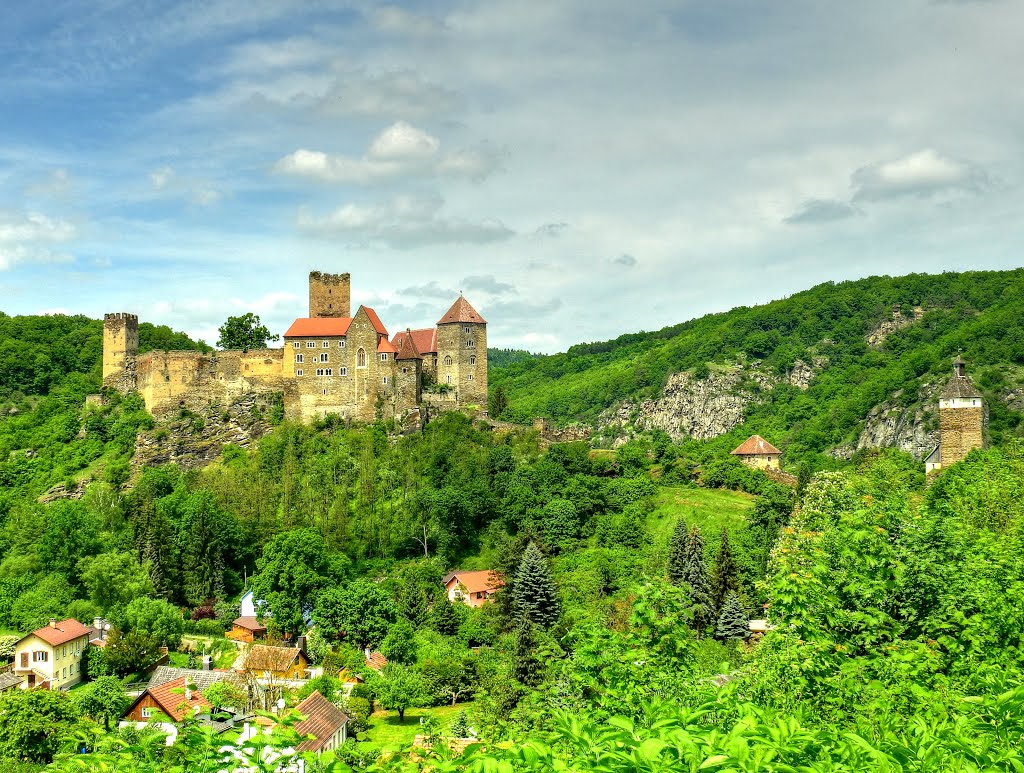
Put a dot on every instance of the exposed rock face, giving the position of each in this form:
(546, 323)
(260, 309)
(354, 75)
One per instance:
(896, 322)
(909, 429)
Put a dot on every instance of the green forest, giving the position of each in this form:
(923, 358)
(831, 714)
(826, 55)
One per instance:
(620, 636)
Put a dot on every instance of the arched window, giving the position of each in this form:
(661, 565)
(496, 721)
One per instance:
(472, 359)
(361, 358)
(447, 360)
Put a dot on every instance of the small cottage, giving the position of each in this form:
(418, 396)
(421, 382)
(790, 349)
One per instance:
(173, 701)
(276, 662)
(757, 452)
(324, 725)
(474, 589)
(247, 629)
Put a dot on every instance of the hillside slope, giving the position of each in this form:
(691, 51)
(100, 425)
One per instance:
(830, 369)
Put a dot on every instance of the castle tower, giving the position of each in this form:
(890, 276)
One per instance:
(462, 353)
(120, 343)
(329, 295)
(961, 417)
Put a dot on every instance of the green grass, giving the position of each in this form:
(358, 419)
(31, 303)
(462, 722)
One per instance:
(388, 734)
(710, 510)
(9, 632)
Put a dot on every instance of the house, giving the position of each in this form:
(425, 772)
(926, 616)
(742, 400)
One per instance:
(250, 605)
(757, 452)
(961, 420)
(277, 662)
(51, 657)
(324, 722)
(474, 589)
(174, 700)
(374, 659)
(247, 629)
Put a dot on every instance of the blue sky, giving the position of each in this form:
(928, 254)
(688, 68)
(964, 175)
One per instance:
(578, 168)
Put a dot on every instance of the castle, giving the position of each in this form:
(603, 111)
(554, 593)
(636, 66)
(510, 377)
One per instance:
(961, 420)
(332, 362)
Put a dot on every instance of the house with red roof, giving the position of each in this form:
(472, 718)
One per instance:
(323, 726)
(474, 589)
(173, 701)
(51, 657)
(757, 452)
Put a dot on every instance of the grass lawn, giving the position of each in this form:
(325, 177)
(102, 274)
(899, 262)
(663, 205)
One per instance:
(9, 632)
(387, 733)
(710, 510)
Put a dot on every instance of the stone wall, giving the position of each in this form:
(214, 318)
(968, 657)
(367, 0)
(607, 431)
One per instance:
(961, 430)
(120, 342)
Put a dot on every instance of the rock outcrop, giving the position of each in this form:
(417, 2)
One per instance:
(897, 321)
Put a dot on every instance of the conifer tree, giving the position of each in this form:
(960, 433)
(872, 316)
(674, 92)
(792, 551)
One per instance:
(732, 623)
(460, 725)
(535, 596)
(678, 553)
(726, 575)
(525, 665)
(444, 616)
(697, 579)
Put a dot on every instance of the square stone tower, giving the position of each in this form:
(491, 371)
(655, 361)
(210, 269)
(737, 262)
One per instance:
(961, 416)
(330, 295)
(120, 343)
(462, 353)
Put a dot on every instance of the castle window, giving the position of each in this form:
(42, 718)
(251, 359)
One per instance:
(298, 357)
(328, 371)
(385, 381)
(405, 370)
(361, 358)
(326, 344)
(384, 357)
(342, 371)
(467, 328)
(447, 379)
(470, 344)
(319, 371)
(447, 360)
(298, 372)
(470, 376)
(311, 344)
(341, 344)
(296, 344)
(323, 357)
(472, 359)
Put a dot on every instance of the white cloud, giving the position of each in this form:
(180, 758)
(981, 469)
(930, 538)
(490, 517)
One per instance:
(814, 211)
(391, 18)
(401, 150)
(25, 239)
(404, 222)
(161, 178)
(205, 196)
(924, 173)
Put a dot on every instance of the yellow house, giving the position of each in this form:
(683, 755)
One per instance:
(757, 452)
(276, 662)
(51, 657)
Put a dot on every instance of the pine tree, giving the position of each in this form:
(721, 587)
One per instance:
(678, 556)
(697, 578)
(726, 575)
(536, 597)
(444, 617)
(733, 623)
(525, 665)
(460, 725)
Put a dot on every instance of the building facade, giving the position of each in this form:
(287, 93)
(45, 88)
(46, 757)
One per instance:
(758, 453)
(51, 657)
(331, 362)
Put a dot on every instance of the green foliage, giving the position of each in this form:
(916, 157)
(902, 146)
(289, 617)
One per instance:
(34, 723)
(114, 579)
(733, 623)
(244, 332)
(399, 645)
(696, 577)
(725, 577)
(129, 653)
(678, 553)
(360, 613)
(399, 687)
(156, 618)
(103, 699)
(536, 597)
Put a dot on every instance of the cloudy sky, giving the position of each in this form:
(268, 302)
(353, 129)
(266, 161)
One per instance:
(578, 168)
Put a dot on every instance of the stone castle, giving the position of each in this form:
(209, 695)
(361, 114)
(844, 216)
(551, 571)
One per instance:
(961, 420)
(332, 362)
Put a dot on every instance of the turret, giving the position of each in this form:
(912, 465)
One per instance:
(329, 294)
(462, 353)
(120, 343)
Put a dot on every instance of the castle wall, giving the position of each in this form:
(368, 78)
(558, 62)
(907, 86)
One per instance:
(960, 431)
(329, 295)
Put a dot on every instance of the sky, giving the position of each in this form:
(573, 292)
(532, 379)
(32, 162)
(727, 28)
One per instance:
(578, 169)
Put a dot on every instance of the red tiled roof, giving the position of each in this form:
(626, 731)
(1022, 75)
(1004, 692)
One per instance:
(461, 311)
(384, 345)
(318, 327)
(375, 321)
(63, 632)
(755, 444)
(376, 661)
(250, 623)
(475, 582)
(406, 345)
(425, 339)
(170, 697)
(322, 720)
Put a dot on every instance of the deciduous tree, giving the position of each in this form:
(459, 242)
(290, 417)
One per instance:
(244, 332)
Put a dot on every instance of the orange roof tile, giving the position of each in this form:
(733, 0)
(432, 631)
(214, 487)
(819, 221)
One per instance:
(384, 345)
(375, 321)
(250, 623)
(461, 311)
(322, 720)
(62, 632)
(755, 444)
(406, 345)
(170, 697)
(475, 582)
(316, 327)
(376, 661)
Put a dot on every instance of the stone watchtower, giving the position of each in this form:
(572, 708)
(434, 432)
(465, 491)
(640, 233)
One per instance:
(961, 420)
(462, 353)
(330, 295)
(120, 344)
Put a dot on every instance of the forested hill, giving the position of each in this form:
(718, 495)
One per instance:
(859, 344)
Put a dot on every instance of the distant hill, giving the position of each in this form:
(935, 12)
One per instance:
(828, 369)
(502, 358)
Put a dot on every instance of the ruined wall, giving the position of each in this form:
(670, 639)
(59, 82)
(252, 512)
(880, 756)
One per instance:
(329, 295)
(960, 431)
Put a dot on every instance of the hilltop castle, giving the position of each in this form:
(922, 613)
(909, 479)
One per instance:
(961, 420)
(332, 362)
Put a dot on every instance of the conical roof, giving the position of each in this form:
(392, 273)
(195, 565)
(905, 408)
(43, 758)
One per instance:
(462, 311)
(755, 444)
(960, 386)
(406, 345)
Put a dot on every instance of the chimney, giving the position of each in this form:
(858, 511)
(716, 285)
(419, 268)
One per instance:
(367, 653)
(97, 625)
(53, 622)
(207, 662)
(300, 643)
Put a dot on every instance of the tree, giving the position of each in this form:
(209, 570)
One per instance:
(450, 677)
(294, 568)
(35, 723)
(156, 618)
(525, 665)
(460, 725)
(726, 575)
(244, 332)
(398, 687)
(535, 595)
(497, 402)
(733, 623)
(129, 653)
(697, 579)
(114, 579)
(444, 615)
(103, 698)
(561, 521)
(678, 553)
(225, 694)
(360, 612)
(399, 646)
